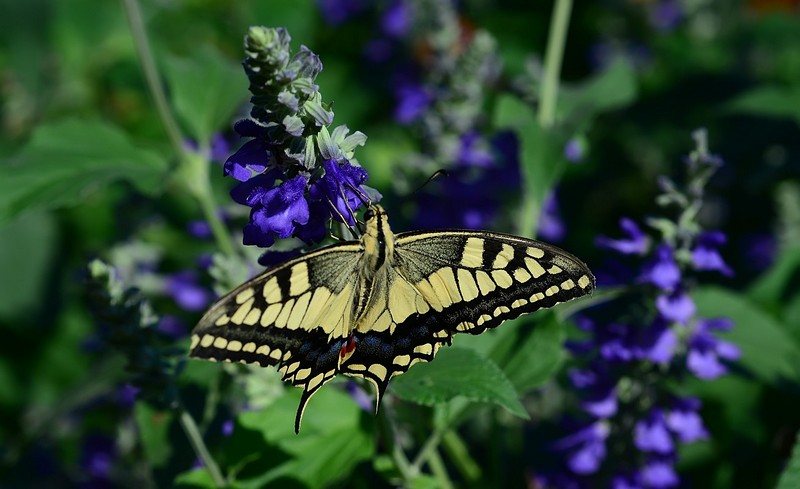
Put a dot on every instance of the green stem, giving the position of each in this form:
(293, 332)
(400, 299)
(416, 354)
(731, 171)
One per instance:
(142, 45)
(552, 63)
(407, 472)
(430, 446)
(199, 446)
(439, 470)
(194, 172)
(458, 453)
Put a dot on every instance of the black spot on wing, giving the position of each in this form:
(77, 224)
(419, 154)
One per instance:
(491, 248)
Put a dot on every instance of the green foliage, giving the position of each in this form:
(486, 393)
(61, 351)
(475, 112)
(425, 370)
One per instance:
(65, 160)
(791, 474)
(207, 91)
(458, 372)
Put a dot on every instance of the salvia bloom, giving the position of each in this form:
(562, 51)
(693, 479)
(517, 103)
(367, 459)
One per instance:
(625, 364)
(294, 174)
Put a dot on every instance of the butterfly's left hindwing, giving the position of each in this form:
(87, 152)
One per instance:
(446, 282)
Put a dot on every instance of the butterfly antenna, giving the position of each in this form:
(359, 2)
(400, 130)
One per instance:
(438, 173)
(341, 217)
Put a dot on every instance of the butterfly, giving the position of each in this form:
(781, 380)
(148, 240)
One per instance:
(374, 307)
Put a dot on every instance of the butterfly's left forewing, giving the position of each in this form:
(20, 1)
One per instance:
(445, 282)
(294, 316)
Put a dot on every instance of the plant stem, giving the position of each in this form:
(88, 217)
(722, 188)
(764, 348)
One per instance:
(142, 45)
(439, 470)
(459, 454)
(199, 446)
(552, 63)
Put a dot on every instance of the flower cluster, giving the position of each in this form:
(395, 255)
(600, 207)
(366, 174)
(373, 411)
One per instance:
(294, 174)
(631, 361)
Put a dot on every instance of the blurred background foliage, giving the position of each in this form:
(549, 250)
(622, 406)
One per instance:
(89, 171)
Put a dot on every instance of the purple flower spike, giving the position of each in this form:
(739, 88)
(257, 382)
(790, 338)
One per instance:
(396, 20)
(587, 446)
(636, 242)
(663, 272)
(685, 421)
(574, 151)
(551, 227)
(678, 307)
(651, 435)
(659, 474)
(705, 255)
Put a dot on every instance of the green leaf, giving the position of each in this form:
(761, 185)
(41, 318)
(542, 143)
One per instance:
(770, 289)
(778, 102)
(612, 89)
(207, 91)
(154, 428)
(767, 349)
(532, 351)
(332, 440)
(27, 245)
(790, 479)
(66, 160)
(541, 161)
(458, 372)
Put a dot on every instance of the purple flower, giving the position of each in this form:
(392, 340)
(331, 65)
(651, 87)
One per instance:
(636, 242)
(338, 186)
(706, 350)
(252, 158)
(412, 102)
(97, 456)
(663, 272)
(705, 255)
(574, 150)
(172, 326)
(199, 229)
(360, 396)
(227, 427)
(276, 211)
(666, 15)
(587, 448)
(337, 12)
(396, 20)
(658, 474)
(651, 434)
(659, 343)
(551, 227)
(685, 421)
(187, 292)
(126, 395)
(677, 307)
(474, 151)
(599, 394)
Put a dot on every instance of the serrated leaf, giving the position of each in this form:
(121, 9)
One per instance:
(790, 479)
(458, 372)
(206, 90)
(776, 102)
(767, 349)
(64, 161)
(332, 440)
